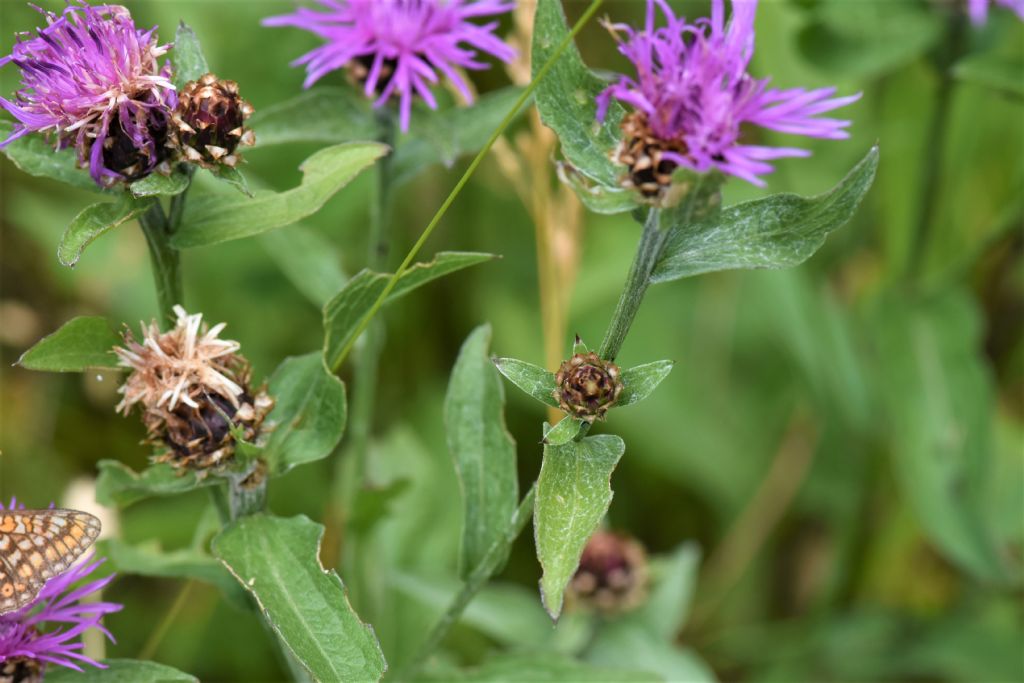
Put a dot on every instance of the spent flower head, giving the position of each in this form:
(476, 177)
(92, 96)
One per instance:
(400, 48)
(978, 9)
(92, 79)
(48, 630)
(193, 389)
(692, 98)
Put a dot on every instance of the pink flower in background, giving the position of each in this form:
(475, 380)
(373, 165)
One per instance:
(978, 9)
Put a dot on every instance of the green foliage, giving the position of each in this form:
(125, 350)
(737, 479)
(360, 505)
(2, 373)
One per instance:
(543, 667)
(158, 184)
(93, 221)
(483, 450)
(36, 156)
(82, 343)
(214, 218)
(119, 485)
(779, 231)
(120, 671)
(187, 56)
(640, 382)
(532, 379)
(277, 561)
(149, 559)
(563, 432)
(325, 114)
(309, 413)
(308, 260)
(573, 494)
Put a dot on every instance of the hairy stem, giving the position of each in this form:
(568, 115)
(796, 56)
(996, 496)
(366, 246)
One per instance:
(165, 259)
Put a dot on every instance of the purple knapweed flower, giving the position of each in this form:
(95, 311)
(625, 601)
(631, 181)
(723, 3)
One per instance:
(692, 97)
(978, 9)
(91, 78)
(48, 630)
(400, 47)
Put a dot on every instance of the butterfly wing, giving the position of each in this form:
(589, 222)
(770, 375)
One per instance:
(37, 545)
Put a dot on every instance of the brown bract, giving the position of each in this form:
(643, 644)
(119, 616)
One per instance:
(642, 152)
(193, 390)
(587, 386)
(208, 124)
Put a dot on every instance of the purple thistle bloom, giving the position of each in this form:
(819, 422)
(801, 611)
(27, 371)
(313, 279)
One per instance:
(978, 9)
(693, 89)
(92, 78)
(48, 630)
(400, 47)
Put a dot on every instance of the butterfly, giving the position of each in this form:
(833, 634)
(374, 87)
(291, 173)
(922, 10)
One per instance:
(37, 545)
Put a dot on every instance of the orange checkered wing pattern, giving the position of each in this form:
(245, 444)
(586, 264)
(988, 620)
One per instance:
(37, 545)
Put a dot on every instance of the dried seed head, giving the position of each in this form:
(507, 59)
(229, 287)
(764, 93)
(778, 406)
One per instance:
(587, 386)
(21, 670)
(612, 576)
(208, 123)
(193, 389)
(650, 173)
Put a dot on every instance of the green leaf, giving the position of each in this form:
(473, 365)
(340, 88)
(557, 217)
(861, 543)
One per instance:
(80, 344)
(309, 413)
(940, 399)
(449, 132)
(214, 218)
(36, 156)
(308, 260)
(278, 561)
(563, 432)
(483, 450)
(149, 559)
(93, 221)
(120, 671)
(344, 312)
(533, 379)
(119, 485)
(675, 582)
(573, 494)
(187, 56)
(640, 382)
(999, 70)
(233, 177)
(625, 643)
(775, 232)
(158, 184)
(544, 667)
(597, 198)
(324, 114)
(565, 100)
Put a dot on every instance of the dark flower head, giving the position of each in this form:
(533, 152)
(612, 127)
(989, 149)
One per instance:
(587, 386)
(692, 93)
(978, 9)
(400, 48)
(209, 123)
(193, 389)
(48, 630)
(92, 79)
(612, 576)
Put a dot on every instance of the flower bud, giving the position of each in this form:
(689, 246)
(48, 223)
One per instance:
(587, 386)
(612, 576)
(194, 390)
(208, 123)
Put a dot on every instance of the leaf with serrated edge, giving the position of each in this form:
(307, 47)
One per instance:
(278, 561)
(93, 221)
(483, 451)
(533, 379)
(779, 231)
(80, 344)
(573, 494)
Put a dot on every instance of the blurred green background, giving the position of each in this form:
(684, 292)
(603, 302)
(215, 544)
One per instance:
(843, 440)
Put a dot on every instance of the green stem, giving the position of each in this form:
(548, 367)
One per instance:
(165, 258)
(474, 582)
(527, 92)
(639, 278)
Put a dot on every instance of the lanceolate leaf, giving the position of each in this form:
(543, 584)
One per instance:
(639, 382)
(565, 99)
(483, 451)
(80, 344)
(119, 485)
(311, 262)
(150, 560)
(36, 156)
(278, 561)
(309, 413)
(345, 311)
(573, 494)
(563, 432)
(187, 55)
(775, 232)
(216, 218)
(158, 184)
(95, 220)
(324, 114)
(120, 671)
(533, 379)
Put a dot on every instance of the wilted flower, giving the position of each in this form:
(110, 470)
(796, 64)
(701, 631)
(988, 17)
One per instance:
(209, 122)
(91, 78)
(587, 386)
(48, 629)
(978, 9)
(193, 389)
(399, 47)
(612, 576)
(692, 95)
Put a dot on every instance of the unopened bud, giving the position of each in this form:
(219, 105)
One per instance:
(587, 386)
(209, 122)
